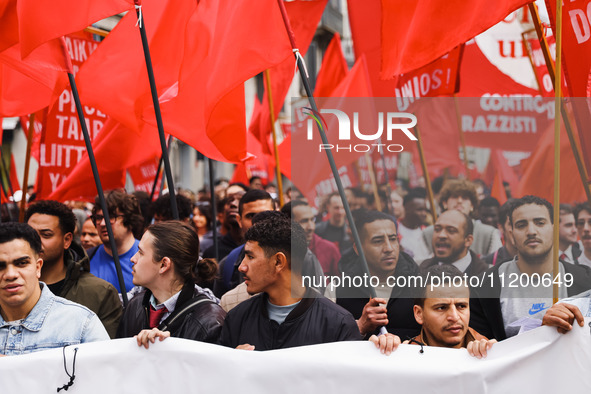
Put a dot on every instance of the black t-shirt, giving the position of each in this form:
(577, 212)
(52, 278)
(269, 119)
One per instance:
(56, 288)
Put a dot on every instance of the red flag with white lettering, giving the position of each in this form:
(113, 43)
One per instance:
(62, 142)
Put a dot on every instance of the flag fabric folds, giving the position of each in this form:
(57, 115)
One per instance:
(415, 33)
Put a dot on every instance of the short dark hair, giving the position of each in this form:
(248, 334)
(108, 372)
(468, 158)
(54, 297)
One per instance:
(9, 231)
(162, 207)
(459, 188)
(279, 234)
(526, 200)
(489, 202)
(66, 218)
(254, 178)
(417, 192)
(254, 195)
(119, 200)
(581, 207)
(505, 210)
(288, 208)
(438, 270)
(364, 216)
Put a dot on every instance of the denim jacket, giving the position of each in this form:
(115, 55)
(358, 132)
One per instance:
(52, 323)
(582, 301)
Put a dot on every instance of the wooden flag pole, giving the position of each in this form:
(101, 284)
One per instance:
(426, 175)
(374, 183)
(274, 133)
(567, 124)
(21, 217)
(153, 90)
(558, 105)
(95, 173)
(462, 136)
(331, 161)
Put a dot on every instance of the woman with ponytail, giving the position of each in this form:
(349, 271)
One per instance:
(167, 265)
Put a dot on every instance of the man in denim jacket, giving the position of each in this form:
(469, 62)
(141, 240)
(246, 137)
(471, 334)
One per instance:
(31, 317)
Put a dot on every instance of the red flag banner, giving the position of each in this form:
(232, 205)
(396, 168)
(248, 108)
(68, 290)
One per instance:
(576, 54)
(116, 149)
(143, 175)
(333, 69)
(62, 142)
(304, 17)
(538, 171)
(439, 78)
(365, 18)
(416, 33)
(42, 21)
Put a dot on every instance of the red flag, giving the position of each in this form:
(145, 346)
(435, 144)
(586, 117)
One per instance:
(538, 178)
(304, 17)
(116, 149)
(31, 84)
(365, 19)
(416, 33)
(42, 21)
(202, 53)
(498, 190)
(333, 69)
(143, 175)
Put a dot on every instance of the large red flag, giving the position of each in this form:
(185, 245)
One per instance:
(202, 53)
(415, 33)
(31, 84)
(116, 149)
(333, 69)
(42, 21)
(304, 17)
(576, 53)
(538, 173)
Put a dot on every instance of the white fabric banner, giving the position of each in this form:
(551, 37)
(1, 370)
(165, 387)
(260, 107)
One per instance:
(539, 361)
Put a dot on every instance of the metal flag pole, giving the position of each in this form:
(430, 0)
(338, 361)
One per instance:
(21, 217)
(331, 161)
(95, 173)
(153, 90)
(214, 209)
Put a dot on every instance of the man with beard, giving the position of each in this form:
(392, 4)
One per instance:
(443, 311)
(583, 222)
(231, 227)
(393, 306)
(567, 235)
(251, 203)
(66, 268)
(327, 253)
(510, 292)
(461, 195)
(452, 237)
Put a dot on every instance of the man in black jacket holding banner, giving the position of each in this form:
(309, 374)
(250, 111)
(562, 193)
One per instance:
(285, 314)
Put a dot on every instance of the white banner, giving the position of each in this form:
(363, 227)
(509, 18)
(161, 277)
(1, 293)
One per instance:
(539, 361)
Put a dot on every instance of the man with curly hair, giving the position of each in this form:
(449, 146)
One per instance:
(127, 224)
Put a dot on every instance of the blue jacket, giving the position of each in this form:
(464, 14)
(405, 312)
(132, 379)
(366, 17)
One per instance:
(53, 322)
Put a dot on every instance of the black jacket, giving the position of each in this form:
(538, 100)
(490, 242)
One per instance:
(314, 320)
(401, 319)
(202, 322)
(485, 304)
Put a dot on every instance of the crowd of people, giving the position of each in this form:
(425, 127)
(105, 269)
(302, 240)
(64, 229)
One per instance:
(258, 276)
